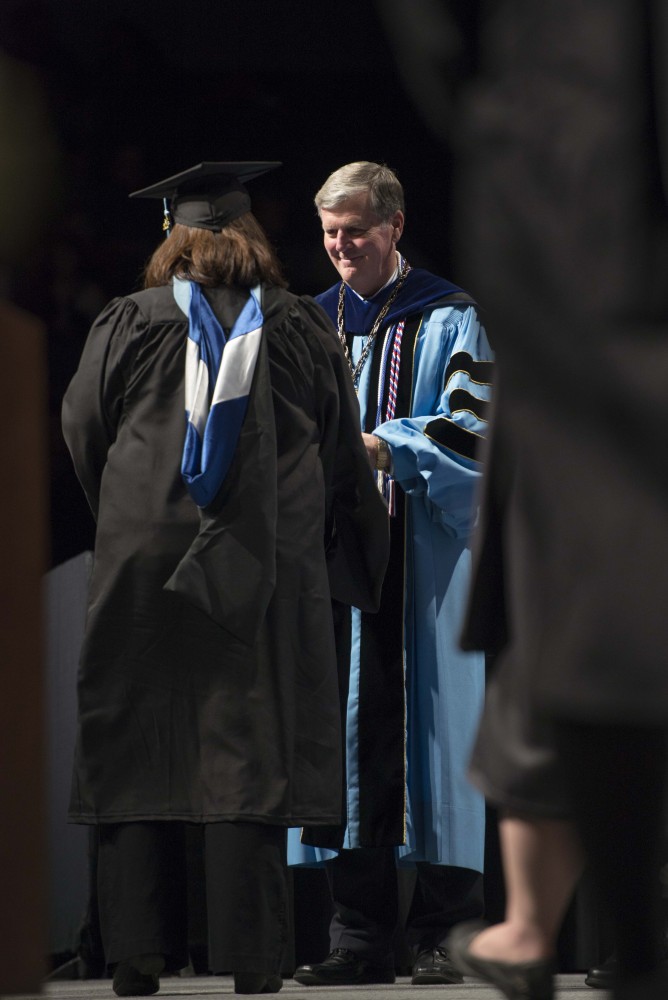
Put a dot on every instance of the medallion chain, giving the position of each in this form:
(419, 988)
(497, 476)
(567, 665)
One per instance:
(356, 370)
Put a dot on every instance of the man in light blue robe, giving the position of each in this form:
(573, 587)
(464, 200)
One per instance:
(421, 364)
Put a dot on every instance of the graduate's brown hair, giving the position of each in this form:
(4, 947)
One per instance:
(240, 254)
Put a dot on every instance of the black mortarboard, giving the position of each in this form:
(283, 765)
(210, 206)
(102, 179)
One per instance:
(209, 195)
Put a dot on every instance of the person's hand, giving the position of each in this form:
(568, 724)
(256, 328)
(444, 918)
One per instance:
(377, 451)
(371, 443)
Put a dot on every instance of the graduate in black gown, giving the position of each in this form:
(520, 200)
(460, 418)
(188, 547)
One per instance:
(214, 429)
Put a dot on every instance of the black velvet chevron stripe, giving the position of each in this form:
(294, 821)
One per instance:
(478, 371)
(445, 432)
(461, 399)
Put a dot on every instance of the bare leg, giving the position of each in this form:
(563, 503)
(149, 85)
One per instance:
(542, 861)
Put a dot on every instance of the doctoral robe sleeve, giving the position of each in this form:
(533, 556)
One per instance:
(93, 402)
(434, 451)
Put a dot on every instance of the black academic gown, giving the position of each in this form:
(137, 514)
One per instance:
(208, 685)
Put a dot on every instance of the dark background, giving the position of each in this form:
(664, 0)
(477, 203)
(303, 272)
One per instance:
(137, 90)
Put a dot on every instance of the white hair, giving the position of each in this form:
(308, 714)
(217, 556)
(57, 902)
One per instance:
(386, 195)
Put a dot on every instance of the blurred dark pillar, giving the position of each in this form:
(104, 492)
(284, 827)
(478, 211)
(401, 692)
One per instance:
(22, 566)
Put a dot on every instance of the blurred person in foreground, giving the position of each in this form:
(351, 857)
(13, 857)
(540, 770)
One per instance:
(213, 428)
(420, 361)
(562, 223)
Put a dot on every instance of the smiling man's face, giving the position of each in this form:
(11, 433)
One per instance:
(361, 247)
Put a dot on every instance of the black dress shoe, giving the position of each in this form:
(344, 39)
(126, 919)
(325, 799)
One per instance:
(516, 980)
(256, 982)
(138, 976)
(342, 967)
(603, 976)
(433, 967)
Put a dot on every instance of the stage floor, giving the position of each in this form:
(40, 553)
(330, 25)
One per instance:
(569, 987)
